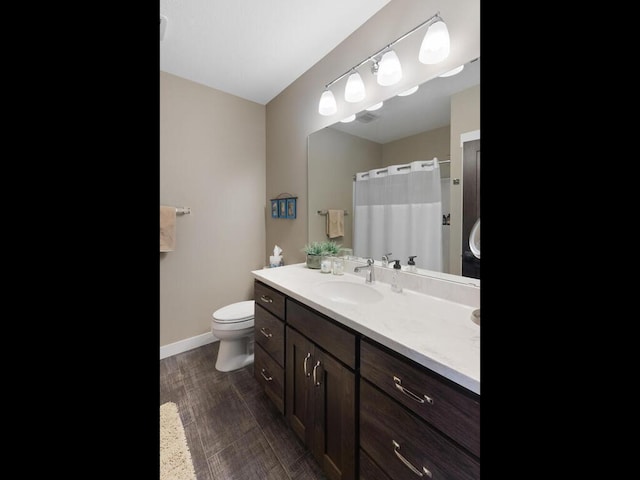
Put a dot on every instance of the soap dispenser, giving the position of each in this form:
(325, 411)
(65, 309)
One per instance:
(411, 265)
(395, 277)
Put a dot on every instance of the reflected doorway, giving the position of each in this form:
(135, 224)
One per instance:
(470, 204)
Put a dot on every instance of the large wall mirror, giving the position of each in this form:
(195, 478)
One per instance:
(432, 122)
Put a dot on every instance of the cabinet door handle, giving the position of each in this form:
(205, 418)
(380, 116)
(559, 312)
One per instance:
(409, 393)
(263, 372)
(266, 299)
(315, 367)
(265, 333)
(396, 447)
(304, 365)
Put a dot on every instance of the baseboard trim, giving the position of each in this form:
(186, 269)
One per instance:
(186, 344)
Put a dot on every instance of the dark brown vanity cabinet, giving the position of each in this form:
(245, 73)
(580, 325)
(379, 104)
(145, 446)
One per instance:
(413, 422)
(363, 410)
(320, 389)
(268, 364)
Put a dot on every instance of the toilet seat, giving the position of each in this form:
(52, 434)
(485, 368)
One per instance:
(235, 312)
(232, 326)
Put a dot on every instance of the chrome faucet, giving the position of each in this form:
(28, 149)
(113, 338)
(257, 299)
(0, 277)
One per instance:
(370, 278)
(385, 259)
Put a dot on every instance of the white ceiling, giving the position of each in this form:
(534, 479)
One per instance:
(255, 49)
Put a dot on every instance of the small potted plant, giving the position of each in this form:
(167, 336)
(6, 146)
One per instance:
(316, 250)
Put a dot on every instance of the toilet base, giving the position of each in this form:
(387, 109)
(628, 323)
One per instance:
(234, 354)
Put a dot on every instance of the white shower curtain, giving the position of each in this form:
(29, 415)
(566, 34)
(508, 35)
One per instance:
(398, 210)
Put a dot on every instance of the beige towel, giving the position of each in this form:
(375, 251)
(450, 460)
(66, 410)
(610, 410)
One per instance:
(335, 223)
(167, 228)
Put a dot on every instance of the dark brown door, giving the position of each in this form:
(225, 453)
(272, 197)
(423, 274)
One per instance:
(470, 204)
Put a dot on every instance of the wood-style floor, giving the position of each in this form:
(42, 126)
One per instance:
(233, 430)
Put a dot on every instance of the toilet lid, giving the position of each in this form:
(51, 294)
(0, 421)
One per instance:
(236, 312)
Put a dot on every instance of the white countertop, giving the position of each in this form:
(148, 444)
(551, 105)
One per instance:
(436, 333)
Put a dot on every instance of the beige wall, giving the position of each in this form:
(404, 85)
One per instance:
(293, 114)
(465, 117)
(334, 157)
(422, 146)
(212, 159)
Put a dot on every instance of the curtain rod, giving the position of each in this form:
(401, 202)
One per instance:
(405, 167)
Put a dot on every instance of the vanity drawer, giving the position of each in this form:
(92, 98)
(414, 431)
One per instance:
(332, 338)
(270, 375)
(369, 470)
(453, 411)
(269, 298)
(402, 443)
(269, 333)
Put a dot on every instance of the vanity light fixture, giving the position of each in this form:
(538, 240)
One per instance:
(408, 92)
(386, 66)
(375, 106)
(354, 90)
(327, 104)
(389, 69)
(436, 44)
(349, 119)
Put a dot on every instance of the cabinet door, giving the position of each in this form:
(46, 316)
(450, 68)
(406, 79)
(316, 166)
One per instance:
(320, 406)
(299, 367)
(334, 416)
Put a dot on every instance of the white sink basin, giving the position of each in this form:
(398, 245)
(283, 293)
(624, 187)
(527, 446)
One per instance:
(475, 316)
(348, 292)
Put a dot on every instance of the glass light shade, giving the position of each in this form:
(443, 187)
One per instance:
(389, 69)
(375, 106)
(452, 72)
(327, 105)
(408, 92)
(354, 90)
(436, 44)
(350, 118)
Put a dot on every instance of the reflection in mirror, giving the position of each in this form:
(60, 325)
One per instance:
(420, 126)
(474, 239)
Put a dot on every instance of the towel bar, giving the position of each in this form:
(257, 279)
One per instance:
(324, 212)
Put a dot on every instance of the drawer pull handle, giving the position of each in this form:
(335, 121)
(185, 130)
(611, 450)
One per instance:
(315, 367)
(396, 447)
(269, 378)
(304, 365)
(266, 299)
(265, 333)
(409, 393)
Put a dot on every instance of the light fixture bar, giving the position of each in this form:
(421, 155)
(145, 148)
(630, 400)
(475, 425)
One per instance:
(371, 57)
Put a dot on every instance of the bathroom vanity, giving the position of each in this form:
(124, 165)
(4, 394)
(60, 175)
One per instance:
(377, 384)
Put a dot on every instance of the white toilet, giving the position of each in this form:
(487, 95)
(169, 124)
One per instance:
(233, 325)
